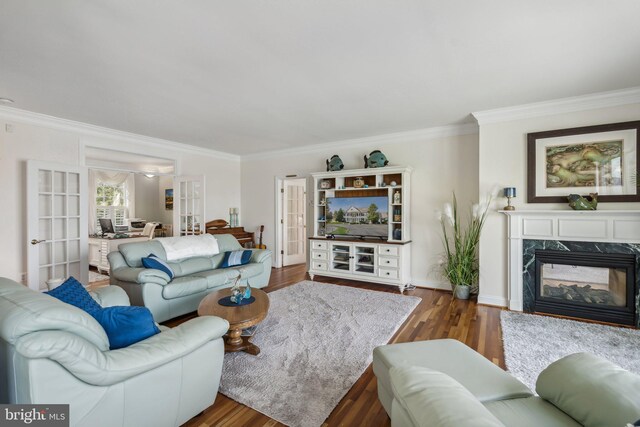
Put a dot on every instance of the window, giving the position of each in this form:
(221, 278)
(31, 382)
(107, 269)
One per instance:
(111, 202)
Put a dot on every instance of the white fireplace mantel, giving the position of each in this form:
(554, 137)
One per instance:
(612, 226)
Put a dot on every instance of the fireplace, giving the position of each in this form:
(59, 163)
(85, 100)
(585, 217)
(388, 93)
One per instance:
(607, 232)
(588, 285)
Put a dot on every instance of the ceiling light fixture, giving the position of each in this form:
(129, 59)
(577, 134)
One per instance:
(149, 175)
(7, 100)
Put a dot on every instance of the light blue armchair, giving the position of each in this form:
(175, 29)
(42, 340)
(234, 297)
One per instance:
(52, 352)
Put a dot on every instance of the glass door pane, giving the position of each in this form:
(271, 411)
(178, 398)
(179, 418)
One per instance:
(294, 221)
(189, 213)
(57, 223)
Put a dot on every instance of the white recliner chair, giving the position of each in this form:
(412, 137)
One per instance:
(54, 353)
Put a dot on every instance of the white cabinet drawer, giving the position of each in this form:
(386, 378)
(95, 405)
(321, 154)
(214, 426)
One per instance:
(319, 245)
(387, 262)
(388, 273)
(388, 250)
(318, 255)
(316, 265)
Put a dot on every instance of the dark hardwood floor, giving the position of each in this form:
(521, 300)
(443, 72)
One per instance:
(437, 316)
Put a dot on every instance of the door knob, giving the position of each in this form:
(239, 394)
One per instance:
(35, 242)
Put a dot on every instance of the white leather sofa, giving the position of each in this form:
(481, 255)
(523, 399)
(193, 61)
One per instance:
(52, 352)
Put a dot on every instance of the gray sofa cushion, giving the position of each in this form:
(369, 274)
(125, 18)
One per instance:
(431, 398)
(183, 286)
(215, 278)
(482, 378)
(250, 270)
(189, 266)
(529, 412)
(135, 251)
(592, 390)
(23, 311)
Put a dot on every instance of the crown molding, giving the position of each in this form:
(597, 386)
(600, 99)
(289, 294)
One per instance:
(558, 106)
(37, 119)
(389, 138)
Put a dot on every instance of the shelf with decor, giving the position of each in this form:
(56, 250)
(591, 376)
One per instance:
(362, 213)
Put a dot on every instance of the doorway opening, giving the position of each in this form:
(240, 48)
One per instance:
(133, 195)
(291, 221)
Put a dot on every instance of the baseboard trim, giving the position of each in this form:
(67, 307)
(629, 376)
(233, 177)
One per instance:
(492, 300)
(444, 286)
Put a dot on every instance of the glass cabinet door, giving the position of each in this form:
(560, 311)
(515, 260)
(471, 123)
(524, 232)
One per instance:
(365, 259)
(340, 257)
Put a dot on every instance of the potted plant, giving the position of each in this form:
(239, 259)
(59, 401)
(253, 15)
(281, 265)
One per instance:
(460, 264)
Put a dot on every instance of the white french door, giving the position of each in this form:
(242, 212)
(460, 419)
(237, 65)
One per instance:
(188, 205)
(57, 215)
(294, 241)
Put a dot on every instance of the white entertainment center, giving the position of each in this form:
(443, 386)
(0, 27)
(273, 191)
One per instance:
(383, 258)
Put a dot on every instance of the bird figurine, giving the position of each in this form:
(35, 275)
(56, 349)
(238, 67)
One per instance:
(236, 293)
(247, 292)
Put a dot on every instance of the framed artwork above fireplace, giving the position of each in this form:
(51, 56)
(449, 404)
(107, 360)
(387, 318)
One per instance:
(601, 159)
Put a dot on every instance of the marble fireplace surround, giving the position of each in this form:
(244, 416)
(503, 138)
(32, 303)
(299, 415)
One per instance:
(560, 227)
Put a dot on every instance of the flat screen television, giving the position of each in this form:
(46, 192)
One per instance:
(106, 226)
(358, 216)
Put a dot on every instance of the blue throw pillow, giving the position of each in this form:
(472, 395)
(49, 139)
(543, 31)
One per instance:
(126, 325)
(233, 258)
(72, 292)
(156, 263)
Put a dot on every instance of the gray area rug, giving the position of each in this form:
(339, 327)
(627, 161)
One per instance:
(315, 343)
(532, 342)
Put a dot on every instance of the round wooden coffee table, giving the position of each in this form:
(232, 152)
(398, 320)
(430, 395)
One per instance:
(239, 318)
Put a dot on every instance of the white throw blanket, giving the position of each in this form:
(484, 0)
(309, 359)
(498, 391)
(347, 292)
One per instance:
(189, 246)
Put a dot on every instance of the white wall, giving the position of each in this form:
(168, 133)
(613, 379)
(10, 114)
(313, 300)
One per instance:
(441, 165)
(502, 162)
(166, 216)
(65, 144)
(147, 195)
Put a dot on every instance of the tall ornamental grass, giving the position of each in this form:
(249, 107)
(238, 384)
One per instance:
(460, 265)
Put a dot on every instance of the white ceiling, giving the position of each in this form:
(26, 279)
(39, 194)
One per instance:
(252, 76)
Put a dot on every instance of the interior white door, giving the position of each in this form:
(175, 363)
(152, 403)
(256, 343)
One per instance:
(294, 221)
(188, 205)
(57, 215)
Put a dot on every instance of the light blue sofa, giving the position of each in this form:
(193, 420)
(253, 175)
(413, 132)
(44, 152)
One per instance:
(194, 277)
(444, 383)
(54, 353)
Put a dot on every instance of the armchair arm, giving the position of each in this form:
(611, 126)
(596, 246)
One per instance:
(141, 275)
(86, 362)
(260, 255)
(109, 296)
